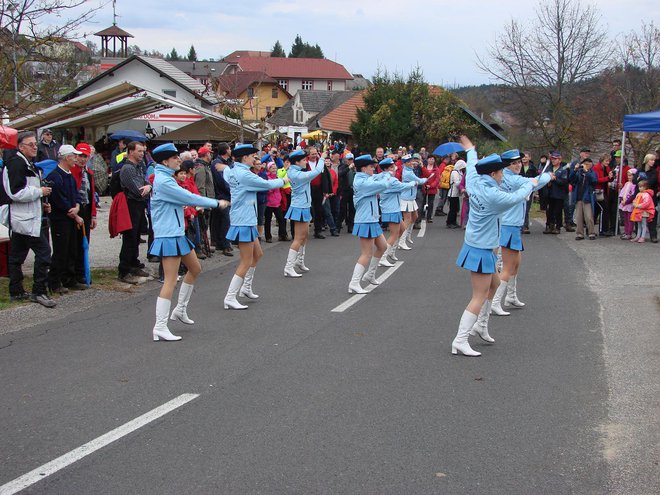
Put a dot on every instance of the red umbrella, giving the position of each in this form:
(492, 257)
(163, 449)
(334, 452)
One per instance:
(8, 137)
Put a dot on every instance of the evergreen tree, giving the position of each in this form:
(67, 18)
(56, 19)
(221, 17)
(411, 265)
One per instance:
(301, 49)
(173, 55)
(277, 50)
(192, 54)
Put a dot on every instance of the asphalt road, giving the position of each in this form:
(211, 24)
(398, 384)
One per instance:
(295, 398)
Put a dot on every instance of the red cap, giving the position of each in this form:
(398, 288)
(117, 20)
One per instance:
(84, 148)
(203, 151)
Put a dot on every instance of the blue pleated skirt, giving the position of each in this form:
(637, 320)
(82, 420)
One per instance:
(476, 259)
(510, 238)
(392, 217)
(242, 234)
(367, 230)
(171, 246)
(298, 214)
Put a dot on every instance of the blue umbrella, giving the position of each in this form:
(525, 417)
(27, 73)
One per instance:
(129, 135)
(86, 267)
(448, 149)
(46, 166)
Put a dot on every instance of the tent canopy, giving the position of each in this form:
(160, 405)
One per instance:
(207, 129)
(642, 122)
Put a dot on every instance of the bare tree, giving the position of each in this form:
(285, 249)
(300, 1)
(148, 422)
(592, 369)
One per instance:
(38, 56)
(540, 64)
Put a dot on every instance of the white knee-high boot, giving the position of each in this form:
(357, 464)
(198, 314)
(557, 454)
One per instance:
(246, 288)
(383, 260)
(512, 293)
(180, 311)
(300, 260)
(230, 299)
(402, 242)
(290, 261)
(460, 343)
(480, 328)
(354, 286)
(160, 331)
(409, 233)
(370, 275)
(393, 251)
(496, 306)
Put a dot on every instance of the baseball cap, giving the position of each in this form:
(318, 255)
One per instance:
(84, 148)
(67, 149)
(555, 154)
(203, 151)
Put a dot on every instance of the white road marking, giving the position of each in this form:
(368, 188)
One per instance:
(422, 229)
(69, 458)
(357, 297)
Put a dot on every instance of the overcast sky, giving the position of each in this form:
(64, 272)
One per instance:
(442, 36)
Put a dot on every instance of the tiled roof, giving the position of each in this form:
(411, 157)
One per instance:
(236, 55)
(283, 116)
(199, 68)
(315, 101)
(340, 117)
(235, 84)
(292, 68)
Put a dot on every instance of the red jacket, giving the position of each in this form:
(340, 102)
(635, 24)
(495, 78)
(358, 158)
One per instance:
(77, 175)
(335, 180)
(431, 186)
(120, 218)
(316, 181)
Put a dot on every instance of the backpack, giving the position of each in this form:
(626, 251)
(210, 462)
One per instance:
(446, 176)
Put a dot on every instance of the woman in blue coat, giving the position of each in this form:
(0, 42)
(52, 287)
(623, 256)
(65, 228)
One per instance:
(299, 210)
(408, 203)
(366, 187)
(487, 203)
(390, 208)
(244, 185)
(170, 242)
(510, 241)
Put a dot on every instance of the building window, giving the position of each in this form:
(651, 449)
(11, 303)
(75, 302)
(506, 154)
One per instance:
(250, 92)
(274, 93)
(284, 84)
(299, 116)
(170, 92)
(308, 85)
(329, 85)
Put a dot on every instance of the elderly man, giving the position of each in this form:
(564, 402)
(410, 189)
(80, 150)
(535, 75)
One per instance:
(85, 183)
(220, 216)
(29, 228)
(204, 183)
(64, 216)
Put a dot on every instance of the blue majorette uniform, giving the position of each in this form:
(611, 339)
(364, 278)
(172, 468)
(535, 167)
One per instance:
(167, 202)
(244, 186)
(408, 196)
(390, 199)
(301, 196)
(487, 203)
(514, 218)
(365, 197)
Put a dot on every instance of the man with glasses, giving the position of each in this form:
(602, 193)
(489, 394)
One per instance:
(28, 224)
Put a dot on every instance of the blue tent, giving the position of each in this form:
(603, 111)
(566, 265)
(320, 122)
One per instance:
(642, 122)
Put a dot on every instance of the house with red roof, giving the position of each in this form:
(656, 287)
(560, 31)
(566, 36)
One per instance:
(255, 94)
(293, 74)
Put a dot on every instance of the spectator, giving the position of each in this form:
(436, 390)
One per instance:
(48, 147)
(262, 197)
(430, 189)
(346, 175)
(84, 178)
(583, 179)
(120, 149)
(137, 190)
(333, 168)
(557, 192)
(601, 191)
(29, 228)
(443, 190)
(282, 173)
(569, 202)
(329, 185)
(626, 197)
(64, 217)
(220, 216)
(204, 182)
(274, 207)
(643, 210)
(652, 171)
(528, 170)
(454, 194)
(192, 229)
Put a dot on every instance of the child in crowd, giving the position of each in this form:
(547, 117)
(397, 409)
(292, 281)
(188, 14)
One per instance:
(643, 210)
(626, 197)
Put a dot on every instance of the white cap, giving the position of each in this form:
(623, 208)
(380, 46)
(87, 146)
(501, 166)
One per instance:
(67, 149)
(349, 156)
